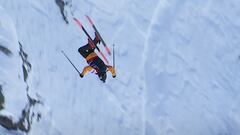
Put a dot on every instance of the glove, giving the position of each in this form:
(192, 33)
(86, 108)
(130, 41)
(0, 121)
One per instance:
(81, 75)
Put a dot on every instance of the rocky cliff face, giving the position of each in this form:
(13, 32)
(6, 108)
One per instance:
(12, 82)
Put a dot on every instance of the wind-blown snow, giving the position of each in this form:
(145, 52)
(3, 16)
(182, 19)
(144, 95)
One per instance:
(197, 69)
(178, 66)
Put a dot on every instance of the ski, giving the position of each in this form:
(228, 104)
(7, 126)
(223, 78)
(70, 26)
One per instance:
(70, 61)
(95, 29)
(90, 39)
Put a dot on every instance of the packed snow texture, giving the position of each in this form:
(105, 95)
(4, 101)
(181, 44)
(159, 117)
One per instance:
(178, 66)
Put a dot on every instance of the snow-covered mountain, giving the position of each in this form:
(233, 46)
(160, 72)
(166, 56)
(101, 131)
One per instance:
(178, 68)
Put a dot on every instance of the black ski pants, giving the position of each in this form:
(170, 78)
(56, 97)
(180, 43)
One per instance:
(86, 49)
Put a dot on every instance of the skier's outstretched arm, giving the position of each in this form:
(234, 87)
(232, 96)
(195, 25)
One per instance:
(85, 70)
(112, 70)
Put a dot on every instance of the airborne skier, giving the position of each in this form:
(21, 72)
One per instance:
(87, 51)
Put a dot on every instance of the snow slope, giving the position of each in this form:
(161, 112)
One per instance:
(197, 69)
(177, 67)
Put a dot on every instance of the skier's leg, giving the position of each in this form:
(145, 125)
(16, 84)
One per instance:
(85, 50)
(96, 40)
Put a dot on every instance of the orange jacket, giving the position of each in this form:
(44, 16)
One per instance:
(89, 68)
(89, 58)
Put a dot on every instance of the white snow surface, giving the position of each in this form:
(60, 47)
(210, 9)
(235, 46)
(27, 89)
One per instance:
(178, 67)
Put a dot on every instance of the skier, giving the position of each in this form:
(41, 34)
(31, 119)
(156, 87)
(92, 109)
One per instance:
(87, 51)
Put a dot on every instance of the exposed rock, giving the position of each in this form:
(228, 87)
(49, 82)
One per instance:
(25, 121)
(26, 66)
(61, 4)
(2, 99)
(5, 50)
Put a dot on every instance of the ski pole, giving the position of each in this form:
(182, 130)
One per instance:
(113, 56)
(70, 61)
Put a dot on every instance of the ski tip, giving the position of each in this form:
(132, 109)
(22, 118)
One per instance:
(74, 18)
(77, 21)
(89, 19)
